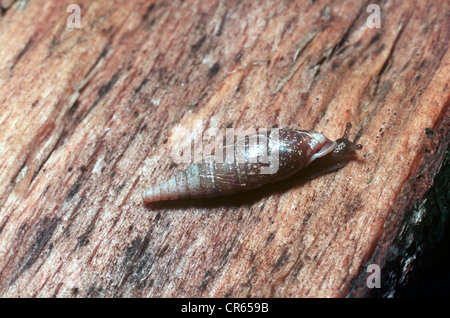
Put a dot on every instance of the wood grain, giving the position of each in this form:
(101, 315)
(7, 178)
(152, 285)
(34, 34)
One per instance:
(89, 118)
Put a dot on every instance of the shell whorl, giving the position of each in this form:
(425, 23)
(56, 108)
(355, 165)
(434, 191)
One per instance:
(292, 150)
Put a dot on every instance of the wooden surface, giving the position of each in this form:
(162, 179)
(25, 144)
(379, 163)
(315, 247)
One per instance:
(89, 118)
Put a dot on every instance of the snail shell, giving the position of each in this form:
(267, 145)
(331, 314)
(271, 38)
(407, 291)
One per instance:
(290, 150)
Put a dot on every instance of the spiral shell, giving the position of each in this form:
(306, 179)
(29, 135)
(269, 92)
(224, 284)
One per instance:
(287, 151)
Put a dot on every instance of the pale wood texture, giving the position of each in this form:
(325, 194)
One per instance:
(89, 117)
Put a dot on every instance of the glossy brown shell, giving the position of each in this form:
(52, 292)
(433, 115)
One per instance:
(293, 150)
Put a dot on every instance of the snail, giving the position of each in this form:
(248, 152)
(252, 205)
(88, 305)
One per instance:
(290, 150)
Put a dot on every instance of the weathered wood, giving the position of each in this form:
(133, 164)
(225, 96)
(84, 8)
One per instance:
(89, 118)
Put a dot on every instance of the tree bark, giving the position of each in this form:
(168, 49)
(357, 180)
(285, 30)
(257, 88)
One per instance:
(91, 116)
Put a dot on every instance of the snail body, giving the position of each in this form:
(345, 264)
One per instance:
(286, 152)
